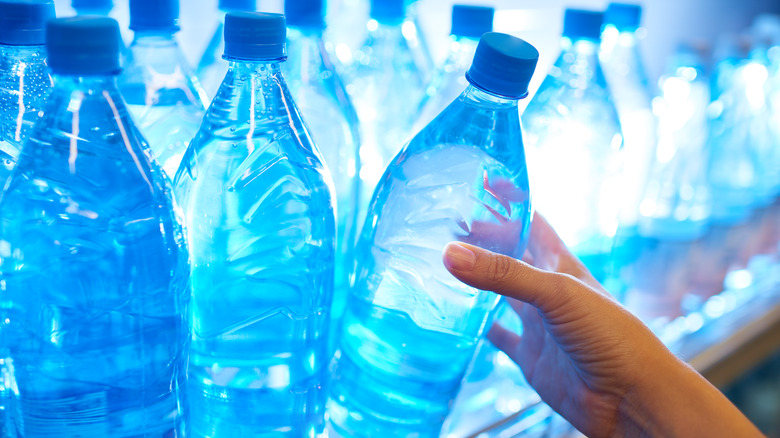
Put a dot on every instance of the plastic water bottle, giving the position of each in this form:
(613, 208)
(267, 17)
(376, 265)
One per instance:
(676, 202)
(386, 84)
(162, 94)
(93, 261)
(627, 81)
(410, 329)
(322, 99)
(575, 145)
(212, 67)
(739, 134)
(449, 81)
(24, 77)
(260, 222)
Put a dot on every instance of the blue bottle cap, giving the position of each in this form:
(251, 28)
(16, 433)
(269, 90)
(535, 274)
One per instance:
(582, 24)
(83, 46)
(92, 4)
(23, 22)
(503, 65)
(471, 21)
(388, 11)
(305, 13)
(625, 17)
(255, 36)
(237, 5)
(154, 15)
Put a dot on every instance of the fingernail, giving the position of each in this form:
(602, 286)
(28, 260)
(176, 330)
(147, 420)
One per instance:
(459, 258)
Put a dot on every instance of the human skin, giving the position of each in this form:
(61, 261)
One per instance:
(587, 356)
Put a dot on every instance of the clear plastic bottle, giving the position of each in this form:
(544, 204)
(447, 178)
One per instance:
(449, 81)
(162, 94)
(625, 73)
(676, 202)
(24, 77)
(739, 133)
(575, 145)
(325, 106)
(410, 328)
(212, 67)
(94, 262)
(386, 83)
(259, 208)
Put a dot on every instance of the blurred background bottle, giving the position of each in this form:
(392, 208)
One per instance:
(385, 82)
(449, 80)
(212, 67)
(162, 94)
(259, 209)
(325, 106)
(94, 264)
(410, 329)
(575, 145)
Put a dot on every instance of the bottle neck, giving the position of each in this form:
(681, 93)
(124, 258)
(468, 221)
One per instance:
(28, 54)
(154, 38)
(84, 83)
(485, 99)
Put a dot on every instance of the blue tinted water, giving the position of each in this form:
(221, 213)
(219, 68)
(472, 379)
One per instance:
(24, 85)
(163, 96)
(410, 328)
(261, 228)
(93, 267)
(322, 99)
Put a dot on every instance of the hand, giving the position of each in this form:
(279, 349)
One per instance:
(587, 357)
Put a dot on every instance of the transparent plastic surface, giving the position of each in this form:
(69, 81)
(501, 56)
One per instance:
(448, 81)
(163, 96)
(628, 84)
(741, 140)
(212, 68)
(386, 84)
(261, 228)
(410, 328)
(328, 113)
(575, 154)
(676, 203)
(24, 85)
(94, 272)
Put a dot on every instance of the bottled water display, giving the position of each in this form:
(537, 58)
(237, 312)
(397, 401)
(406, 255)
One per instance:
(24, 77)
(385, 82)
(322, 99)
(259, 209)
(92, 259)
(410, 328)
(627, 81)
(162, 94)
(212, 68)
(575, 145)
(468, 24)
(676, 203)
(740, 135)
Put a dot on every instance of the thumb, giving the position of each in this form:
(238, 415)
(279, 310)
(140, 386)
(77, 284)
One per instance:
(486, 270)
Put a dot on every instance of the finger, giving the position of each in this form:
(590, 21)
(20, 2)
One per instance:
(505, 340)
(513, 278)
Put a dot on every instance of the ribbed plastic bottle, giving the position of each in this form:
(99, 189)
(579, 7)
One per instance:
(259, 209)
(24, 77)
(449, 80)
(212, 67)
(575, 145)
(93, 261)
(676, 203)
(410, 328)
(627, 80)
(162, 93)
(739, 134)
(322, 99)
(386, 83)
